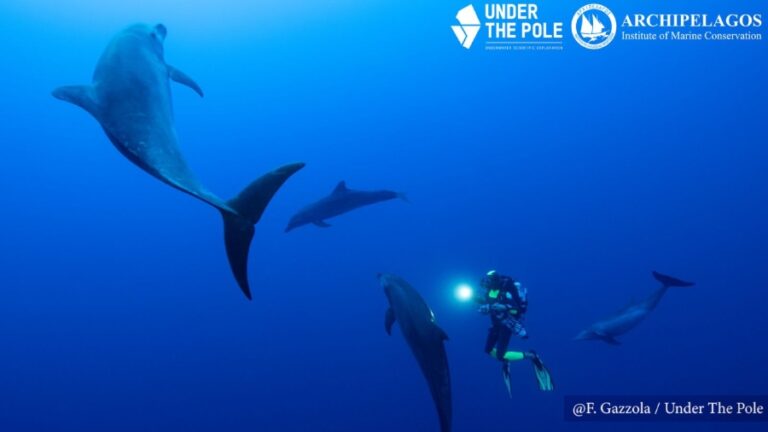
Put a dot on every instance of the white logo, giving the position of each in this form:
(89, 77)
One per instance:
(470, 26)
(593, 26)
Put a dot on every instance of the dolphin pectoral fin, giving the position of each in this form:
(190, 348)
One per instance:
(321, 224)
(599, 334)
(80, 95)
(389, 320)
(248, 207)
(669, 281)
(182, 78)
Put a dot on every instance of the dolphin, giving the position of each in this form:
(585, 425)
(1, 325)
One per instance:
(635, 312)
(130, 97)
(340, 201)
(424, 337)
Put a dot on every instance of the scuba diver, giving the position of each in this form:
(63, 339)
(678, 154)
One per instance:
(505, 301)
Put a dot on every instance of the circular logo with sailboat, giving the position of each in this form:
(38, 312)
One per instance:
(593, 26)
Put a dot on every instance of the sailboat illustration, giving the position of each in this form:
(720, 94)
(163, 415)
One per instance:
(592, 30)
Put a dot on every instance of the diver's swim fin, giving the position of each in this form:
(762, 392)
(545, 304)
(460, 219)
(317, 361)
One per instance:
(505, 374)
(542, 374)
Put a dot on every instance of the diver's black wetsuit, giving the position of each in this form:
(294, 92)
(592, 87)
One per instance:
(506, 302)
(505, 320)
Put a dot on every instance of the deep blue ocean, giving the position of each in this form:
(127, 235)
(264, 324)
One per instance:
(578, 172)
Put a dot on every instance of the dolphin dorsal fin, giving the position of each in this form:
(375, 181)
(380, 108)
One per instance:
(441, 332)
(340, 188)
(182, 78)
(80, 95)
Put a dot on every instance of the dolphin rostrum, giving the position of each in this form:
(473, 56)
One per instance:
(130, 97)
(626, 319)
(424, 337)
(340, 201)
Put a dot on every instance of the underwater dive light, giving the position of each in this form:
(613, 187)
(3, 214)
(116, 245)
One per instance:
(464, 292)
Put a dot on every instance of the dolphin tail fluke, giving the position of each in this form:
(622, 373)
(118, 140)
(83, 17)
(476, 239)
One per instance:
(238, 233)
(669, 281)
(249, 206)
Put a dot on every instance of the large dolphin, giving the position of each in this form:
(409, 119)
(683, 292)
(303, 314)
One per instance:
(130, 97)
(626, 319)
(424, 337)
(340, 201)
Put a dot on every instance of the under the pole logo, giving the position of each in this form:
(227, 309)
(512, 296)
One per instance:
(468, 28)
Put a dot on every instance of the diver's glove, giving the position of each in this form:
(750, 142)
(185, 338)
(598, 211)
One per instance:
(520, 331)
(484, 309)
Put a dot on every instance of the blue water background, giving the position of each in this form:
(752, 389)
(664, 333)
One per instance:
(578, 172)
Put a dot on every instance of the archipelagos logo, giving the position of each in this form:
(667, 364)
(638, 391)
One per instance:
(593, 26)
(692, 27)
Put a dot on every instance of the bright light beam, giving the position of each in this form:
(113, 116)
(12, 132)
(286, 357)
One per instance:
(464, 292)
